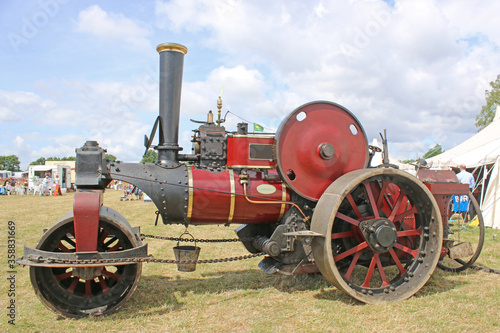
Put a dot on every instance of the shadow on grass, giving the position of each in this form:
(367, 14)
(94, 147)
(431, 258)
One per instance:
(440, 282)
(158, 295)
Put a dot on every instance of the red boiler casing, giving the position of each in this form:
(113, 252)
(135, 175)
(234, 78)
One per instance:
(218, 198)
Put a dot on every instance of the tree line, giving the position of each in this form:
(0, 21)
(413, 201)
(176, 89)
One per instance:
(12, 163)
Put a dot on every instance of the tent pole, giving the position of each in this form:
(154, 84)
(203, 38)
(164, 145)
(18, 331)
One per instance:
(482, 187)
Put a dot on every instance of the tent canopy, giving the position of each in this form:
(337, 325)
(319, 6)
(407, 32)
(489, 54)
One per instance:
(482, 149)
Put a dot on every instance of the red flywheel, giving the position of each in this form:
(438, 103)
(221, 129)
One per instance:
(316, 144)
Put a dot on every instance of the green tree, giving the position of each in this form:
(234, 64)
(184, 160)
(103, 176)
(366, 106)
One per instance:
(409, 161)
(40, 161)
(110, 157)
(485, 117)
(151, 156)
(10, 163)
(436, 150)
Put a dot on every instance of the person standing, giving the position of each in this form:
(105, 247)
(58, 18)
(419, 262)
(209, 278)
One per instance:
(57, 186)
(466, 177)
(45, 184)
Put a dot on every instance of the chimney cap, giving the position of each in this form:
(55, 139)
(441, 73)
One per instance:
(171, 47)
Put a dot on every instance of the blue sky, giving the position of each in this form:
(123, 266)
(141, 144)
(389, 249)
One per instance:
(73, 71)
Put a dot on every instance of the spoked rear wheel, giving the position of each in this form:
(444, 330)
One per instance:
(383, 234)
(76, 291)
(468, 234)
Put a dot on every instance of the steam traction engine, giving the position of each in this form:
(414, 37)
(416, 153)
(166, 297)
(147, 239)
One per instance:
(305, 197)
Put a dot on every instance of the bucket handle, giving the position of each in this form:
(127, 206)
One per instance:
(186, 232)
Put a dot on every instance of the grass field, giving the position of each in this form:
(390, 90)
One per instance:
(237, 296)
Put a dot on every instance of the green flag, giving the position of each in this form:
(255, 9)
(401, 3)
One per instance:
(258, 128)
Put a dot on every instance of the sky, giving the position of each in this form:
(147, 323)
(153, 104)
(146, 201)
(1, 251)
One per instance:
(72, 71)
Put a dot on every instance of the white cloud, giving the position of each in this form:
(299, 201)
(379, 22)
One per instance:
(113, 27)
(415, 69)
(240, 86)
(418, 68)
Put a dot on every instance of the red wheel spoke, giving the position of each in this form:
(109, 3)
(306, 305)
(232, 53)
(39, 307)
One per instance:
(395, 209)
(343, 234)
(347, 275)
(369, 274)
(62, 247)
(103, 284)
(401, 216)
(371, 198)
(353, 205)
(347, 219)
(63, 276)
(88, 291)
(413, 253)
(73, 285)
(344, 254)
(111, 275)
(382, 273)
(414, 232)
(382, 192)
(398, 263)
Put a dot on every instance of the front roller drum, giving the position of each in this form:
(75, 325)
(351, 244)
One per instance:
(76, 292)
(382, 234)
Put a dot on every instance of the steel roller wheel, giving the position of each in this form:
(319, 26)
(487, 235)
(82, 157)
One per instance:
(76, 292)
(463, 233)
(382, 234)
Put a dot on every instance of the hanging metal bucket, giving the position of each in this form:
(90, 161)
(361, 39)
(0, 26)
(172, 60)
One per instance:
(185, 253)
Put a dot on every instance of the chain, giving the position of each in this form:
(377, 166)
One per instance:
(206, 261)
(148, 259)
(193, 240)
(152, 259)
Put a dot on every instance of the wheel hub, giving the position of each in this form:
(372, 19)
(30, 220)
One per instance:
(380, 234)
(87, 273)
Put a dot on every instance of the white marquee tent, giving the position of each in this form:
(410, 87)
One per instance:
(491, 203)
(483, 149)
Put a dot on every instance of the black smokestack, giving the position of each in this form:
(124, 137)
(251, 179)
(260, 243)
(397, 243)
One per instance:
(171, 66)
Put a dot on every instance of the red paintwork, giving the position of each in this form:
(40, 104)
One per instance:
(213, 207)
(238, 151)
(86, 207)
(298, 145)
(442, 184)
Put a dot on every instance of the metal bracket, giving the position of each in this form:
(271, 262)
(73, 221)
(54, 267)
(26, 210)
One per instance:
(303, 233)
